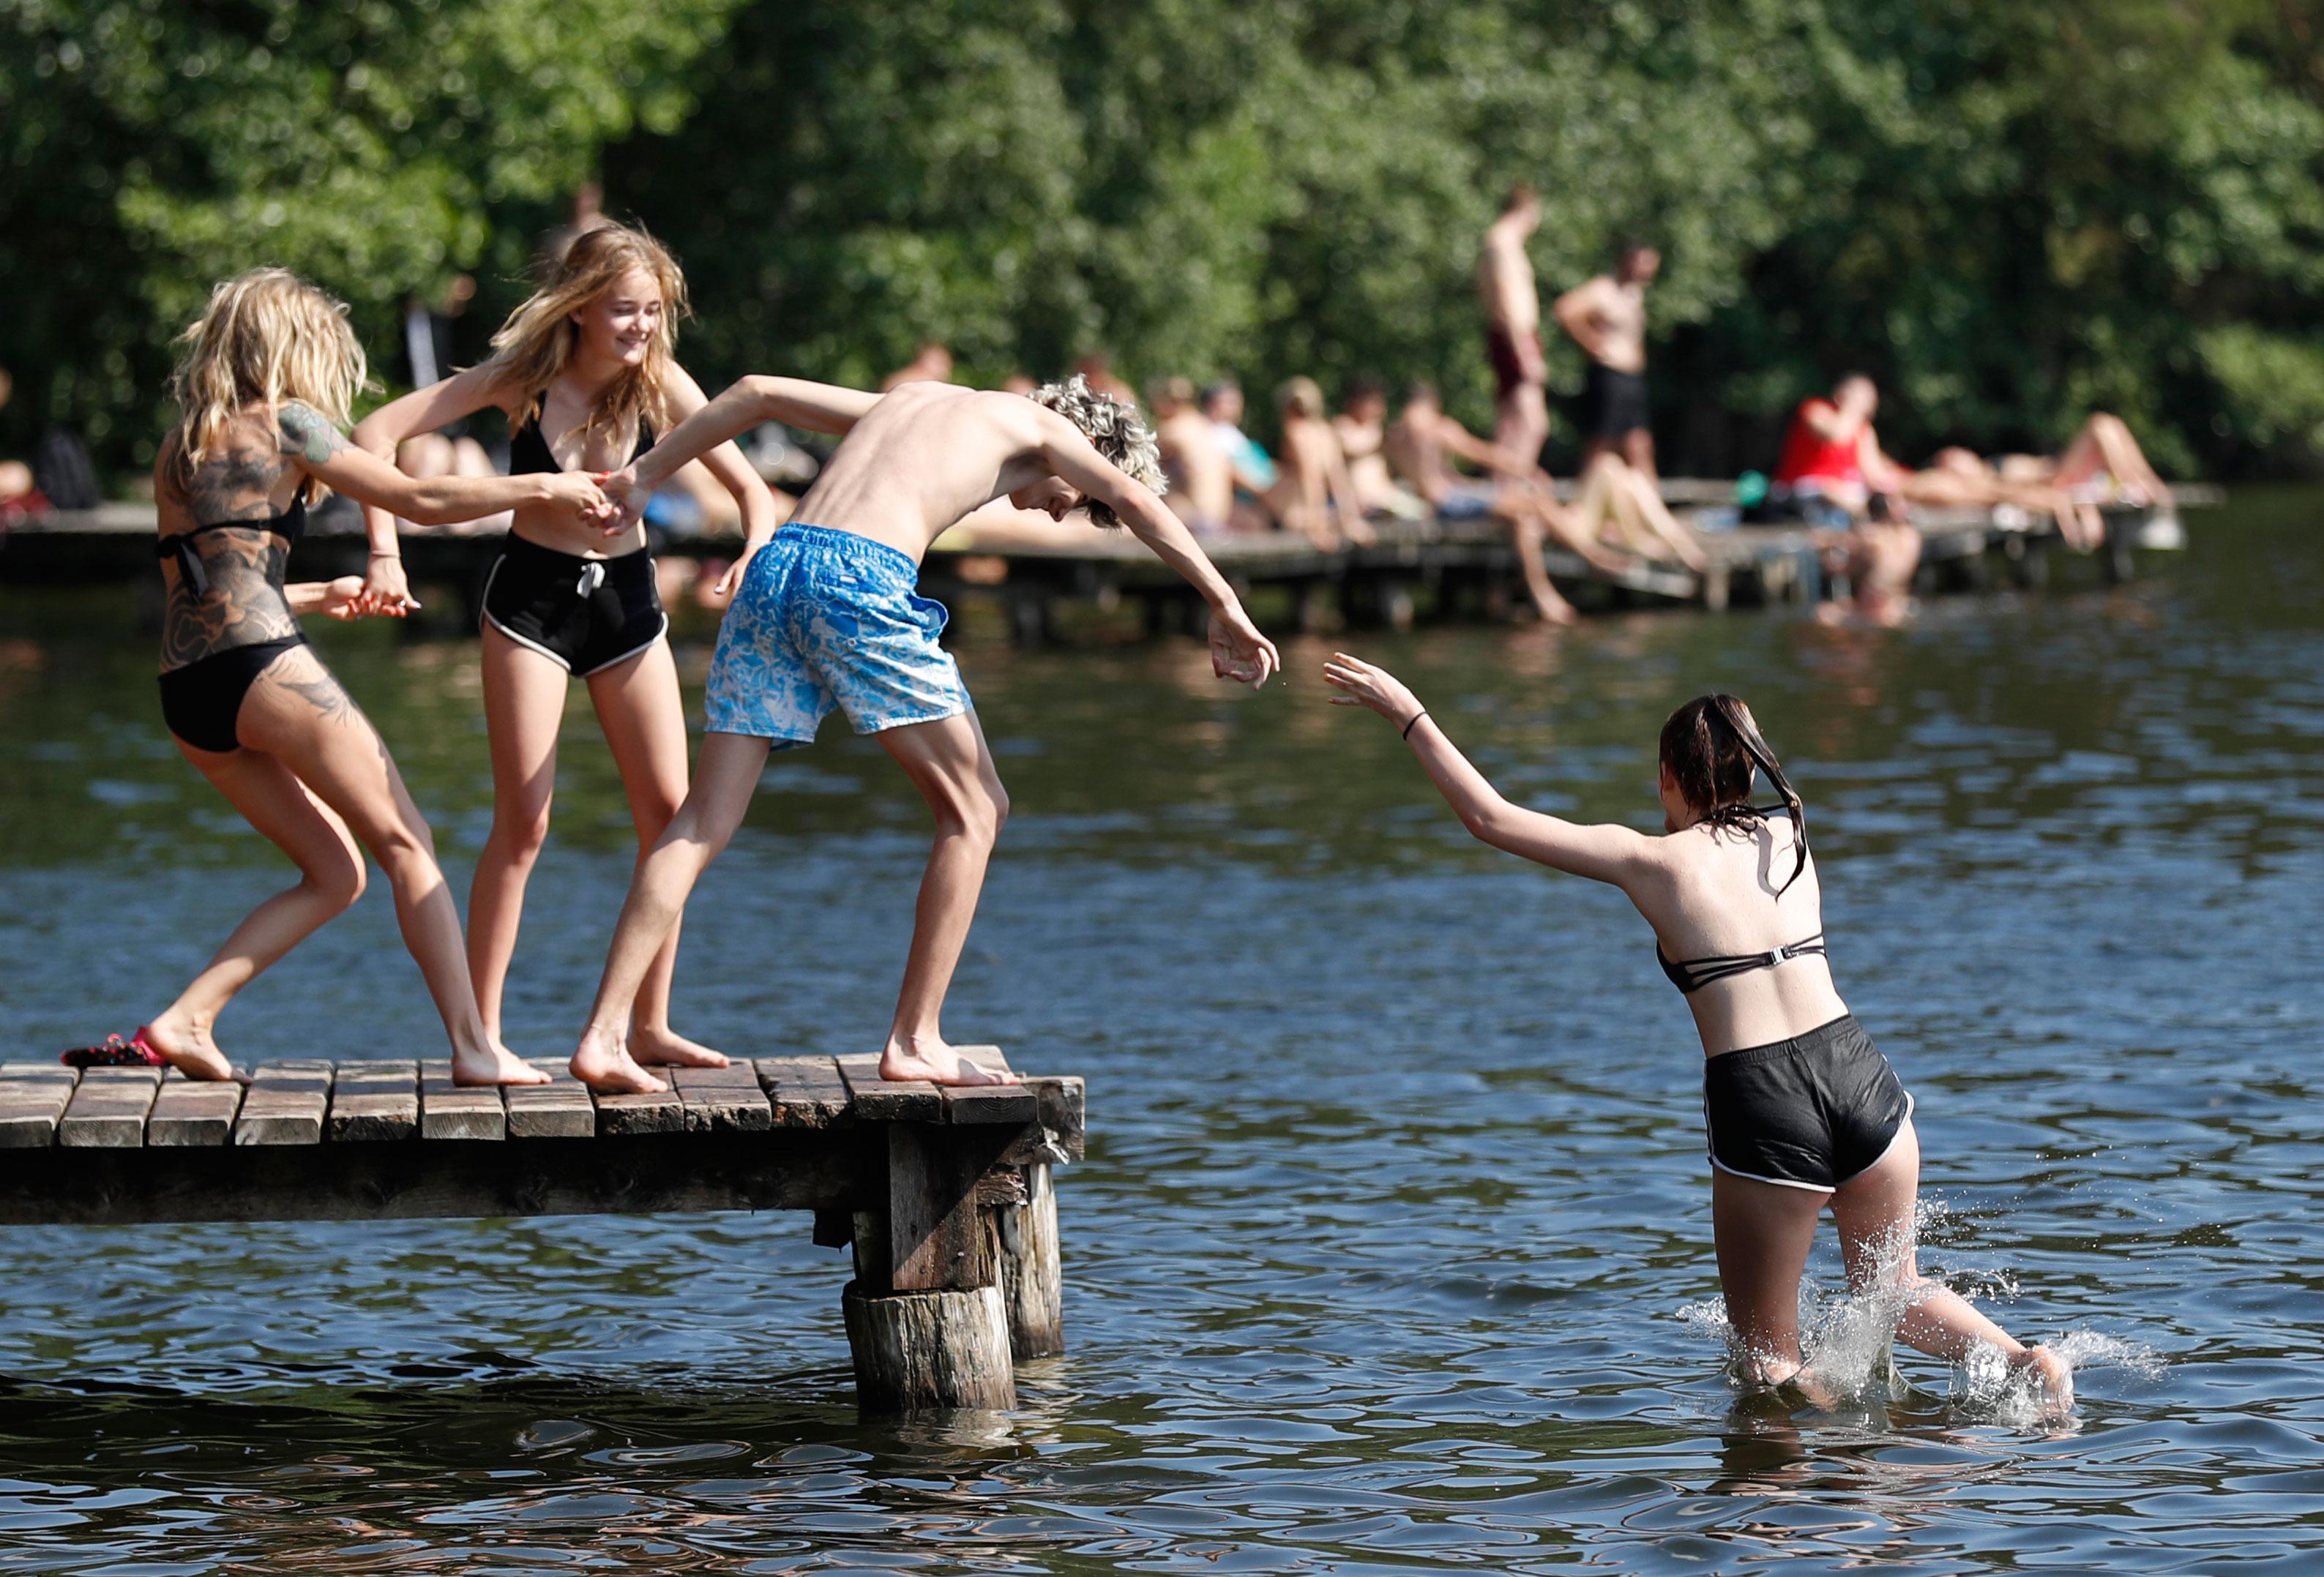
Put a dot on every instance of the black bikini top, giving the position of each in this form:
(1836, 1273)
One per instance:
(1695, 974)
(289, 525)
(528, 452)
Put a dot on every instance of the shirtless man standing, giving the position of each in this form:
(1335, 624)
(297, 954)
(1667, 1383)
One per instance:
(1513, 327)
(1202, 482)
(828, 617)
(1607, 318)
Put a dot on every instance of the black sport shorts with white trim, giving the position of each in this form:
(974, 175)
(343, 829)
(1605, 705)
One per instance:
(1812, 1111)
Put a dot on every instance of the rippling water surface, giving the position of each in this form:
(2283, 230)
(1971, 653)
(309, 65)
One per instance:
(1392, 1250)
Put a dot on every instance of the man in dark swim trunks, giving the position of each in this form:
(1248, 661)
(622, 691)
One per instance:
(1607, 318)
(1505, 284)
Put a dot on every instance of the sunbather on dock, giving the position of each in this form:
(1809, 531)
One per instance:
(1314, 495)
(828, 617)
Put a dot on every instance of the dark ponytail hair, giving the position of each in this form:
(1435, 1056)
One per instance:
(1712, 749)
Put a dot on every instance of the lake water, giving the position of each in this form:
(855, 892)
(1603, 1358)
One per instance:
(1391, 1252)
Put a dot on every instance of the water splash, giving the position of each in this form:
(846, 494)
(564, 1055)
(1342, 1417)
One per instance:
(1847, 1339)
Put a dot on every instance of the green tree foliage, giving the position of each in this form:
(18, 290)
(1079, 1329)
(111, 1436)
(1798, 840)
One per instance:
(151, 146)
(2008, 214)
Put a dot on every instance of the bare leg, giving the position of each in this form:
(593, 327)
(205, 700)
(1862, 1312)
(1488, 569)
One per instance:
(723, 781)
(1764, 1232)
(1576, 525)
(297, 713)
(330, 878)
(1527, 527)
(524, 707)
(638, 707)
(1874, 1212)
(1645, 501)
(2105, 446)
(949, 763)
(1638, 450)
(1522, 425)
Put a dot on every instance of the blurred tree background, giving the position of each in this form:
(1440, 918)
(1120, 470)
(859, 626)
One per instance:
(2008, 214)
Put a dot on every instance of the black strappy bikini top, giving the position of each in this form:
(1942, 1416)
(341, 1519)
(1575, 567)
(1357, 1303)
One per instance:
(1695, 974)
(289, 525)
(529, 453)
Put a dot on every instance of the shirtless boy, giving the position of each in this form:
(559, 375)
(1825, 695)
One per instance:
(1607, 318)
(827, 617)
(1505, 284)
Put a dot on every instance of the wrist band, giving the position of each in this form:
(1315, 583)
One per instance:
(1414, 723)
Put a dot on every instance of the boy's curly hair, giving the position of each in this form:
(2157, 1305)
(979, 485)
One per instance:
(1114, 429)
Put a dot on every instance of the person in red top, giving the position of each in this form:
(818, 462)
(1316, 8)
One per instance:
(1832, 454)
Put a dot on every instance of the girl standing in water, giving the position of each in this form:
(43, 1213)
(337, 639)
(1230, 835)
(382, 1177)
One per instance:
(1802, 1111)
(584, 373)
(270, 370)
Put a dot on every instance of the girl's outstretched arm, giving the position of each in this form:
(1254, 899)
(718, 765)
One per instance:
(1602, 852)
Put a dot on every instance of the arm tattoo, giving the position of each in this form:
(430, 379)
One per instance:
(305, 433)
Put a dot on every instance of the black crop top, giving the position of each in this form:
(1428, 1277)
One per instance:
(528, 452)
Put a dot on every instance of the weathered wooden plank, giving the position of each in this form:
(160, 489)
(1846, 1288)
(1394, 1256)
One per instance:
(878, 1100)
(562, 1108)
(33, 1096)
(726, 1107)
(985, 1056)
(844, 1169)
(627, 1116)
(285, 1104)
(1064, 1103)
(457, 1111)
(192, 1112)
(803, 1092)
(733, 1075)
(373, 1102)
(991, 1104)
(108, 1109)
(389, 1071)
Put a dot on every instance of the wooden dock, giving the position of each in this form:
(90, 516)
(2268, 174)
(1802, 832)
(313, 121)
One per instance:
(1446, 569)
(945, 1195)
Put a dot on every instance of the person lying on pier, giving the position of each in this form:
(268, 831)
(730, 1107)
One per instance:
(264, 387)
(1314, 495)
(828, 617)
(2103, 465)
(1957, 478)
(1422, 445)
(1802, 1111)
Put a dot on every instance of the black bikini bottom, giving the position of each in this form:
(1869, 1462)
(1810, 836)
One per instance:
(1808, 1112)
(201, 700)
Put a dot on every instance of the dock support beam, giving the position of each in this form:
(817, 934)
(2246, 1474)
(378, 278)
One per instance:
(928, 1314)
(1032, 1286)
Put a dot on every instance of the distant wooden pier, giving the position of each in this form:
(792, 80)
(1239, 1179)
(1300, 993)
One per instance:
(945, 1195)
(1450, 568)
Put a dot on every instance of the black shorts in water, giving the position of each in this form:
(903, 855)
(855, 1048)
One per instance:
(1808, 1112)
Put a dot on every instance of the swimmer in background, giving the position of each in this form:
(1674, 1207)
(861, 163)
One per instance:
(1802, 1111)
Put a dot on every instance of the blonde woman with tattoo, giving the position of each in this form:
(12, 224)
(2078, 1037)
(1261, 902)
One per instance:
(268, 375)
(585, 374)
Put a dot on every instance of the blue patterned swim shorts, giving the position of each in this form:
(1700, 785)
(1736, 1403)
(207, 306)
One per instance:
(827, 619)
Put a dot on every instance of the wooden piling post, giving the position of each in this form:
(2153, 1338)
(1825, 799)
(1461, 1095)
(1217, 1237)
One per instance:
(1032, 1285)
(926, 1317)
(918, 1351)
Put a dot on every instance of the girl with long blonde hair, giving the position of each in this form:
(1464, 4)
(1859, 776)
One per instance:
(268, 375)
(584, 373)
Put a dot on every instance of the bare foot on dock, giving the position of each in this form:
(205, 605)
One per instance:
(606, 1067)
(188, 1048)
(936, 1063)
(2057, 1377)
(494, 1065)
(665, 1048)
